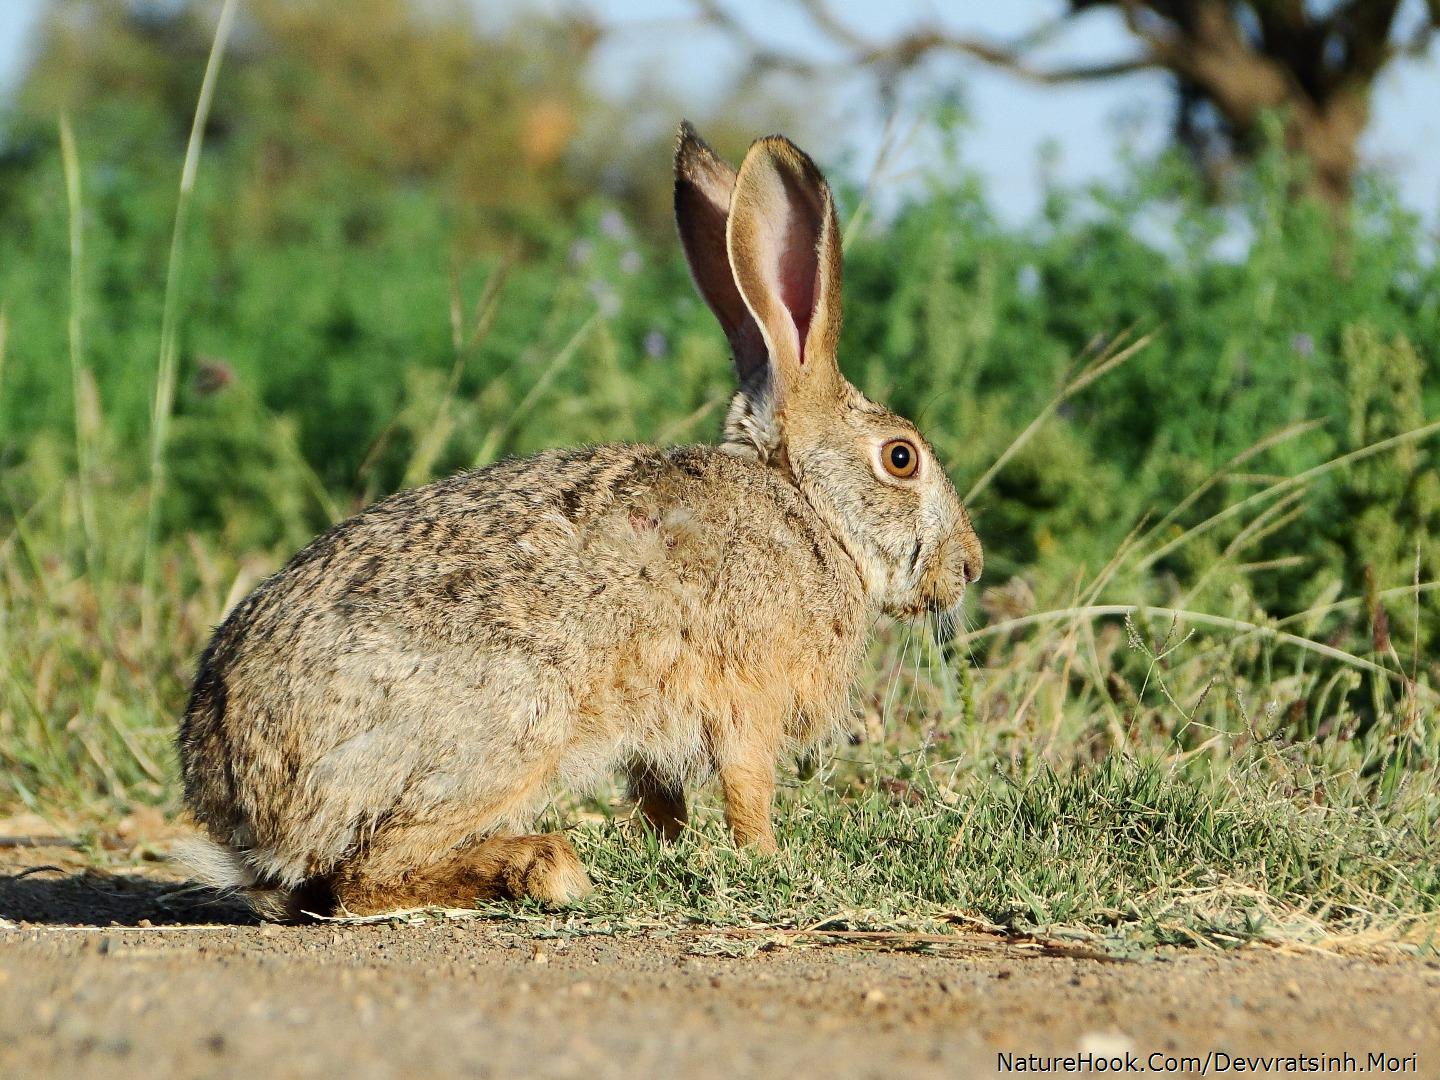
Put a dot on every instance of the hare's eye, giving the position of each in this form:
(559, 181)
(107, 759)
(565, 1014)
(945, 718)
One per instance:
(900, 457)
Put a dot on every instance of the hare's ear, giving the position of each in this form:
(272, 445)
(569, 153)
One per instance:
(703, 185)
(784, 245)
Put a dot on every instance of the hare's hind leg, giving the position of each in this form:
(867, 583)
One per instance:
(543, 867)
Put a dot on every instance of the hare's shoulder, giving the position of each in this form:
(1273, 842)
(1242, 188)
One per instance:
(525, 496)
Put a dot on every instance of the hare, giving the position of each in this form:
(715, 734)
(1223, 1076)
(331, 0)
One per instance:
(378, 724)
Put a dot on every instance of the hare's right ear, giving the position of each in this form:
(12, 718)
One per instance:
(784, 245)
(703, 185)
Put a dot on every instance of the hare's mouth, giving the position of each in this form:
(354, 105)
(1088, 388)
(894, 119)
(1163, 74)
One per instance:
(946, 620)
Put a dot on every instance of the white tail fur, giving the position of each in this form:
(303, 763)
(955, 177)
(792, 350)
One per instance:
(223, 868)
(217, 865)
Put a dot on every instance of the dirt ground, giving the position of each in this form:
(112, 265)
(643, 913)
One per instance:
(112, 974)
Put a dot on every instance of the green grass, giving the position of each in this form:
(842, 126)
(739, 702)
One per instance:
(1132, 852)
(1125, 854)
(1155, 826)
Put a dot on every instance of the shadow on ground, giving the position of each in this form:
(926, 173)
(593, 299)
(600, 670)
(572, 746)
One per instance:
(60, 896)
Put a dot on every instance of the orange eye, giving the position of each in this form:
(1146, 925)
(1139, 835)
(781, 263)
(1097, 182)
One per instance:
(900, 457)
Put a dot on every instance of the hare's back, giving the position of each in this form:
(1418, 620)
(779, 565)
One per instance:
(579, 538)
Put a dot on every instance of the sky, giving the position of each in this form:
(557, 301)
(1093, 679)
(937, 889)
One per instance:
(1010, 119)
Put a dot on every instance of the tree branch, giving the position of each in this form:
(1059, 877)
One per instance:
(821, 15)
(1232, 61)
(909, 50)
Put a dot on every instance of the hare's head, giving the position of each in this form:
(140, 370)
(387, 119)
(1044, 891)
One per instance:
(764, 249)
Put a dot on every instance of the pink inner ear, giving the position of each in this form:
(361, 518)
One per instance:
(799, 274)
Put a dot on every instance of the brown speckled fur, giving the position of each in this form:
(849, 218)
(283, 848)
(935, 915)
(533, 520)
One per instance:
(380, 721)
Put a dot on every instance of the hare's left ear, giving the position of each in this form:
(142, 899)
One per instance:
(784, 245)
(703, 186)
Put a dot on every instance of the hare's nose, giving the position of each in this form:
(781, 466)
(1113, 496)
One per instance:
(973, 562)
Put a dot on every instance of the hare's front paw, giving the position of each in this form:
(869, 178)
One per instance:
(763, 845)
(547, 869)
(749, 792)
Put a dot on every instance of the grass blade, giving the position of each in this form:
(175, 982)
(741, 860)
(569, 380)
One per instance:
(168, 364)
(1097, 611)
(1280, 487)
(86, 420)
(1105, 364)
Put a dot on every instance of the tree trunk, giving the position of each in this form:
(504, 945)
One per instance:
(1242, 84)
(1329, 139)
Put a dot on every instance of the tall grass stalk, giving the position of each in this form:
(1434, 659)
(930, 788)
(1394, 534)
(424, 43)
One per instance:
(1107, 362)
(428, 449)
(1276, 516)
(1289, 483)
(168, 364)
(1316, 612)
(86, 419)
(288, 445)
(1267, 442)
(891, 146)
(1097, 611)
(496, 436)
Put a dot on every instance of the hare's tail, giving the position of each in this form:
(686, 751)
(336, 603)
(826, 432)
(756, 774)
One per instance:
(225, 869)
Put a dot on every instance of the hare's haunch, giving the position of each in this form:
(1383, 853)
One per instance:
(378, 724)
